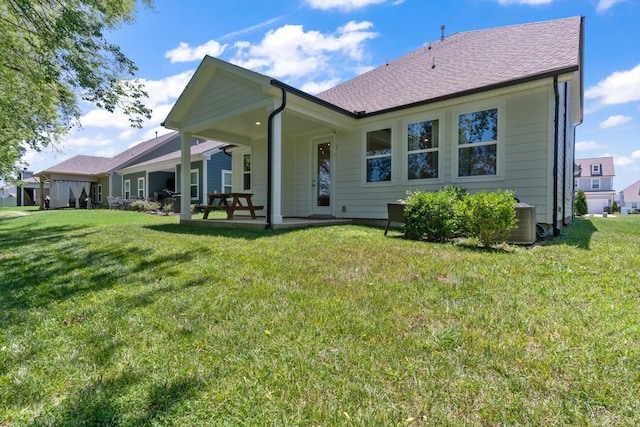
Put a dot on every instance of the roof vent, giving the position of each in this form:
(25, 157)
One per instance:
(442, 27)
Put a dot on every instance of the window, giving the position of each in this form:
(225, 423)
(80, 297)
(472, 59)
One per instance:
(141, 188)
(422, 150)
(94, 191)
(575, 184)
(127, 188)
(378, 155)
(246, 172)
(595, 184)
(596, 170)
(194, 184)
(226, 181)
(478, 143)
(99, 193)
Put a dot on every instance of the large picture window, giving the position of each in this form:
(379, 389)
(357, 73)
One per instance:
(246, 172)
(378, 155)
(478, 143)
(422, 150)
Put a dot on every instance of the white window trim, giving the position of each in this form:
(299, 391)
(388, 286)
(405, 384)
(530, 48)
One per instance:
(224, 172)
(593, 181)
(125, 184)
(500, 161)
(595, 170)
(141, 188)
(394, 151)
(197, 184)
(405, 149)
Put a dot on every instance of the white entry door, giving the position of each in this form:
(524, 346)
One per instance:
(321, 179)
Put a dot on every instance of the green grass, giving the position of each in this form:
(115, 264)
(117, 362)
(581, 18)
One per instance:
(121, 318)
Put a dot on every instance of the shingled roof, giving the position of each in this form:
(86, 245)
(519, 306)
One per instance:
(632, 193)
(464, 63)
(94, 165)
(606, 165)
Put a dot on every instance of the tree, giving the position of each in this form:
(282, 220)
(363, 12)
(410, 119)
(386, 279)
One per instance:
(53, 53)
(580, 204)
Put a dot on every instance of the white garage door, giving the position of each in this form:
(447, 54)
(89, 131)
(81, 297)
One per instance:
(596, 206)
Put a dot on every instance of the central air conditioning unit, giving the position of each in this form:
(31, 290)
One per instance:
(525, 231)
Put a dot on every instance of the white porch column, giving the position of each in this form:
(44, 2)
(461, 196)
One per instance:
(185, 176)
(276, 191)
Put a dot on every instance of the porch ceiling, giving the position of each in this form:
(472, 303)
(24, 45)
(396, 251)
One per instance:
(243, 128)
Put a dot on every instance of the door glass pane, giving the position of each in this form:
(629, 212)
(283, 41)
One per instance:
(324, 174)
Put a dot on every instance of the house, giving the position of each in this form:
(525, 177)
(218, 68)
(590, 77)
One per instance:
(630, 198)
(595, 178)
(80, 177)
(209, 172)
(489, 109)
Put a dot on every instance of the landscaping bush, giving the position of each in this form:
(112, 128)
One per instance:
(430, 215)
(488, 217)
(145, 206)
(580, 204)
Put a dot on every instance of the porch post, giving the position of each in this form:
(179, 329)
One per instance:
(185, 176)
(276, 205)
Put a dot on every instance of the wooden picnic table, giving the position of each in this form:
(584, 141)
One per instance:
(230, 202)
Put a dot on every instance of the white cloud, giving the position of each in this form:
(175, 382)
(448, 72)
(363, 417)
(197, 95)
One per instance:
(317, 87)
(604, 5)
(526, 2)
(251, 28)
(161, 96)
(614, 121)
(618, 88)
(344, 5)
(588, 145)
(622, 160)
(635, 154)
(186, 53)
(291, 52)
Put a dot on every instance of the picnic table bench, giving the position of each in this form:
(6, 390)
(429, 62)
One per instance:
(230, 202)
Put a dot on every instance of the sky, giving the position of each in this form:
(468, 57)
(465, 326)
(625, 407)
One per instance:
(315, 44)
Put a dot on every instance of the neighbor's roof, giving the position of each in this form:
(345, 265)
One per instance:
(465, 63)
(632, 192)
(199, 148)
(80, 165)
(94, 165)
(606, 164)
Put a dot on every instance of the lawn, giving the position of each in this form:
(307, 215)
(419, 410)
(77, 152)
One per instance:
(122, 318)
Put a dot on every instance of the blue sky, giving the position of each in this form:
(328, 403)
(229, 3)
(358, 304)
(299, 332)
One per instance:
(316, 44)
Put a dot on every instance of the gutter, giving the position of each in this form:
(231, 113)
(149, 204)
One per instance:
(270, 149)
(554, 223)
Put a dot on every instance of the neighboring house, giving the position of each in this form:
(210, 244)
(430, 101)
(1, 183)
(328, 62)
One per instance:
(630, 198)
(484, 110)
(29, 190)
(8, 196)
(595, 178)
(210, 172)
(78, 178)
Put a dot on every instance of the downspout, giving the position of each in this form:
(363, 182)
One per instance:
(554, 224)
(270, 153)
(565, 177)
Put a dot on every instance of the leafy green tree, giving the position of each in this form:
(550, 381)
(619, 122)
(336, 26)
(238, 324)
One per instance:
(614, 207)
(580, 204)
(53, 53)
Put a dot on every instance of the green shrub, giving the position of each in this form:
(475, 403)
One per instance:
(430, 215)
(138, 205)
(488, 217)
(580, 204)
(614, 207)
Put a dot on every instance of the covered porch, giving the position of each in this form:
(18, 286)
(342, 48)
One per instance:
(280, 139)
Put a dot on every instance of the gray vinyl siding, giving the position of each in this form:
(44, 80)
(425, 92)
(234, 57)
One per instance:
(133, 177)
(194, 165)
